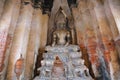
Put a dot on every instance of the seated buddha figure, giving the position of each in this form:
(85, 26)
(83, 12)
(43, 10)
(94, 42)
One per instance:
(61, 36)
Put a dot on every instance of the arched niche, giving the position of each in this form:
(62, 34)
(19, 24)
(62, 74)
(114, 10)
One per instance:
(69, 24)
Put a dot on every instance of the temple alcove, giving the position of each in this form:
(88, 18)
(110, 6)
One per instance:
(27, 28)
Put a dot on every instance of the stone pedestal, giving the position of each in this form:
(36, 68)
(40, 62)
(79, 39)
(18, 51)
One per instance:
(67, 59)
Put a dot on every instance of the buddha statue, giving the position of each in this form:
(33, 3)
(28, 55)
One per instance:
(61, 36)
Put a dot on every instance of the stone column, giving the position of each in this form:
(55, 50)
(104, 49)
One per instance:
(115, 9)
(44, 29)
(20, 34)
(5, 21)
(90, 38)
(79, 25)
(95, 23)
(111, 19)
(102, 19)
(7, 14)
(1, 6)
(41, 40)
(80, 31)
(35, 34)
(100, 49)
(11, 34)
(113, 26)
(106, 38)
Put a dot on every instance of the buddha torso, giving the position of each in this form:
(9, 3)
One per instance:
(61, 36)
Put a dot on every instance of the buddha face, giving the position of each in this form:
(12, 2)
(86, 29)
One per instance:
(60, 21)
(61, 25)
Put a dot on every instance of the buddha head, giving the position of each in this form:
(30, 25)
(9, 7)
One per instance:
(60, 20)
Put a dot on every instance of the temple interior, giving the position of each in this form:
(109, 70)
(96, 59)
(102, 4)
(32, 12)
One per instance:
(59, 39)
